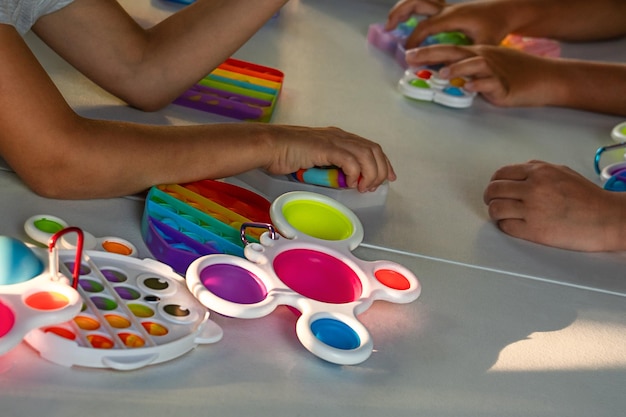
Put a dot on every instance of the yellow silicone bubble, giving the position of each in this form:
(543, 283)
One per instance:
(457, 82)
(318, 220)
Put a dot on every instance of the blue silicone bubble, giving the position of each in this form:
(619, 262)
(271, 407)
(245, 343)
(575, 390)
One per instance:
(17, 262)
(335, 333)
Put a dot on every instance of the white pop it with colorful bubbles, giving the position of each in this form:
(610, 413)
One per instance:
(310, 268)
(424, 84)
(134, 313)
(120, 312)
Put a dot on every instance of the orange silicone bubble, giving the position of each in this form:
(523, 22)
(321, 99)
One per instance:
(132, 340)
(154, 329)
(392, 279)
(117, 322)
(100, 342)
(87, 323)
(46, 301)
(457, 82)
(116, 247)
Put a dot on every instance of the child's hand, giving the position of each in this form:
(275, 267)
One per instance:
(484, 22)
(504, 76)
(555, 206)
(404, 9)
(365, 164)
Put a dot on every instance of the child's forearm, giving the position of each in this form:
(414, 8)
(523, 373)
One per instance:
(150, 68)
(569, 20)
(593, 86)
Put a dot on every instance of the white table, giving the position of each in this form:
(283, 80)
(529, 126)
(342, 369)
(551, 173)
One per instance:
(474, 344)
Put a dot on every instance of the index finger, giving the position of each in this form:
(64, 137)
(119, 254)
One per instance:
(513, 172)
(437, 54)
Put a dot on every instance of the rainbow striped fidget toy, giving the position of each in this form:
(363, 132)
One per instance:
(236, 89)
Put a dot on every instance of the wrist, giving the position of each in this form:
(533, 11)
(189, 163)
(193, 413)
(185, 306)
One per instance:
(616, 222)
(518, 15)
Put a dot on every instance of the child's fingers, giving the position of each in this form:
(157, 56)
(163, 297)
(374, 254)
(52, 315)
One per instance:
(366, 167)
(470, 67)
(503, 209)
(504, 189)
(515, 172)
(437, 54)
(403, 10)
(376, 173)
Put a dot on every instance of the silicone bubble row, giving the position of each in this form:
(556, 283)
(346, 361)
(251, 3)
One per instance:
(187, 216)
(228, 216)
(126, 306)
(182, 229)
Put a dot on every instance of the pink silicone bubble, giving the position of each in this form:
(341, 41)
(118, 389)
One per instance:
(233, 283)
(318, 276)
(7, 319)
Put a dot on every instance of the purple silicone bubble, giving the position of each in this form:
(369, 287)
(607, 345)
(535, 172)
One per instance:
(233, 283)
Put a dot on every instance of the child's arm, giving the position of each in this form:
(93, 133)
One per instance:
(489, 21)
(506, 77)
(59, 154)
(150, 68)
(555, 206)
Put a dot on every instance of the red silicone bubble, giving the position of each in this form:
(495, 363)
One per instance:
(392, 279)
(61, 332)
(318, 276)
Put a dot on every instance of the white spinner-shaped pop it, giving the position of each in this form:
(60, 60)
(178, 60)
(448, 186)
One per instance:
(310, 268)
(32, 292)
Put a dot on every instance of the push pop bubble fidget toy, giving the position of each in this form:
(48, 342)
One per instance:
(613, 175)
(120, 312)
(423, 83)
(304, 261)
(32, 292)
(393, 41)
(237, 89)
(182, 222)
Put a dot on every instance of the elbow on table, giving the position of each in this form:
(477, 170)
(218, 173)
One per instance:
(54, 183)
(147, 98)
(148, 104)
(50, 188)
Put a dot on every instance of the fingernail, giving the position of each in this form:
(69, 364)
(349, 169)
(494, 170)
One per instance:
(410, 53)
(444, 72)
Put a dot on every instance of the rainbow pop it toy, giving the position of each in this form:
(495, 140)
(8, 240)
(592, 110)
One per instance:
(237, 89)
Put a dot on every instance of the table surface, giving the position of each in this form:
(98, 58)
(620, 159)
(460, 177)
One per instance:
(444, 157)
(504, 327)
(476, 343)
